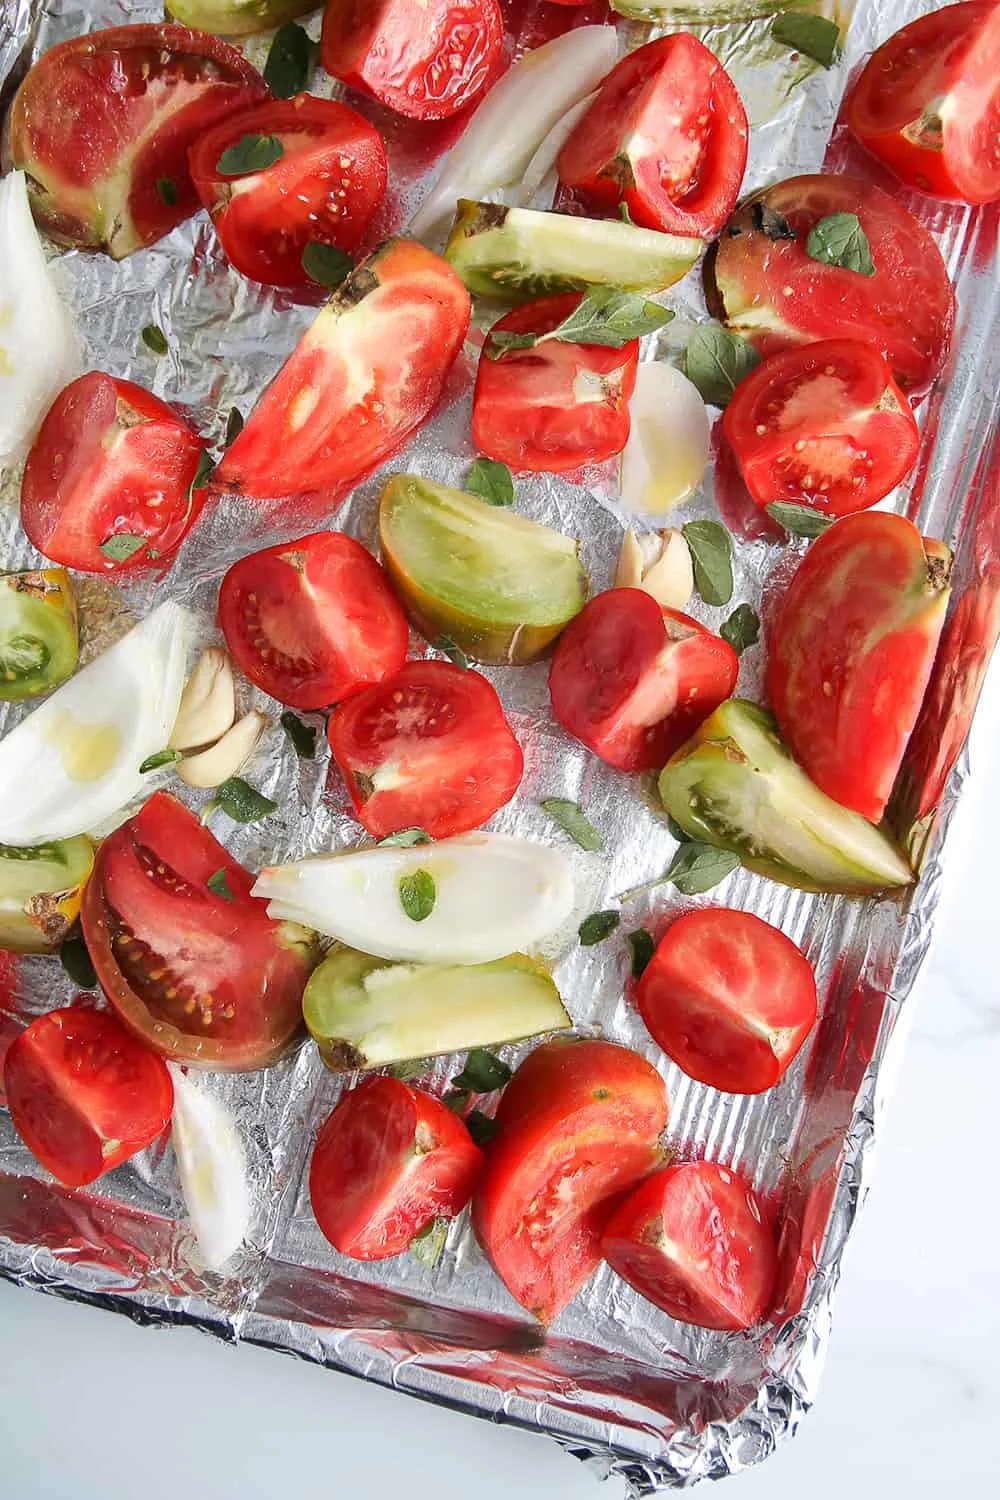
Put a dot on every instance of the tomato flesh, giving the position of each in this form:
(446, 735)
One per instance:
(83, 1094)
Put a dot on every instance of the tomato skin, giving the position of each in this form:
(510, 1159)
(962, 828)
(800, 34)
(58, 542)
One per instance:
(694, 1240)
(632, 680)
(729, 998)
(312, 621)
(667, 135)
(438, 735)
(823, 425)
(83, 1094)
(927, 103)
(387, 1161)
(526, 410)
(202, 979)
(579, 1124)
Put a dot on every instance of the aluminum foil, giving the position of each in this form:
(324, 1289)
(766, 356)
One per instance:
(617, 1382)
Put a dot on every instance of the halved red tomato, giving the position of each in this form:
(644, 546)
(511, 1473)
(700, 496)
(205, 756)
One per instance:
(428, 748)
(83, 1094)
(666, 135)
(107, 487)
(555, 406)
(363, 376)
(694, 1239)
(579, 1124)
(633, 681)
(729, 998)
(851, 651)
(824, 425)
(312, 621)
(766, 286)
(198, 971)
(102, 124)
(387, 1161)
(427, 61)
(927, 103)
(323, 189)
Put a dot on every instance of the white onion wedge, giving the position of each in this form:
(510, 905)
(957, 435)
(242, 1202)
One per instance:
(212, 1165)
(668, 444)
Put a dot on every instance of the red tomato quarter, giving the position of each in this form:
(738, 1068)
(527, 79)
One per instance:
(555, 406)
(83, 1094)
(694, 1240)
(824, 425)
(202, 976)
(579, 1124)
(427, 61)
(102, 124)
(666, 135)
(928, 103)
(729, 998)
(107, 484)
(312, 621)
(387, 1161)
(633, 681)
(428, 748)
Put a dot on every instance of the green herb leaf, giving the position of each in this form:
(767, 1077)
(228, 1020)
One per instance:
(483, 1073)
(447, 647)
(839, 240)
(742, 629)
(417, 894)
(679, 833)
(326, 264)
(203, 472)
(75, 959)
(491, 481)
(121, 546)
(711, 549)
(641, 943)
(605, 315)
(251, 153)
(624, 214)
(166, 187)
(219, 885)
(155, 339)
(716, 360)
(405, 839)
(426, 1247)
(455, 1100)
(414, 1067)
(234, 425)
(698, 867)
(481, 1127)
(799, 520)
(598, 926)
(813, 36)
(302, 736)
(242, 802)
(573, 820)
(290, 61)
(158, 759)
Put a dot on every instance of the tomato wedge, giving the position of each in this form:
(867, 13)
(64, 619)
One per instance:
(312, 621)
(428, 748)
(555, 406)
(363, 376)
(387, 1161)
(102, 124)
(107, 487)
(927, 103)
(632, 680)
(666, 135)
(202, 976)
(83, 1094)
(323, 189)
(694, 1239)
(579, 1124)
(824, 425)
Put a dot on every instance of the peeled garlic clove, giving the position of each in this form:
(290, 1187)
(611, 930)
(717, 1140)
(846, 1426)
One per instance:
(208, 703)
(664, 459)
(212, 1165)
(628, 574)
(215, 765)
(669, 577)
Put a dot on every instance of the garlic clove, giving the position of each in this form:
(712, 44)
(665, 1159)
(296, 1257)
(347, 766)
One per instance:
(215, 765)
(669, 577)
(208, 703)
(628, 574)
(664, 460)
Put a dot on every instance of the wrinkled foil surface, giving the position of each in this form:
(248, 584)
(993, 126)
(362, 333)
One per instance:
(620, 1384)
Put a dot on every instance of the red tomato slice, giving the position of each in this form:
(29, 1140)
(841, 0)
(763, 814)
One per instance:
(927, 103)
(824, 425)
(694, 1240)
(324, 188)
(579, 1124)
(729, 998)
(83, 1094)
(388, 1160)
(558, 405)
(363, 376)
(110, 461)
(202, 977)
(427, 61)
(312, 621)
(769, 289)
(633, 681)
(102, 124)
(666, 135)
(428, 748)
(851, 653)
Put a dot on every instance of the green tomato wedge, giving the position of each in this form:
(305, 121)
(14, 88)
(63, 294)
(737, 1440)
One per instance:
(38, 636)
(702, 10)
(499, 585)
(236, 17)
(514, 254)
(364, 1012)
(734, 785)
(40, 890)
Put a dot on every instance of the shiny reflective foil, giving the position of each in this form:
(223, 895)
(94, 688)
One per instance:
(616, 1381)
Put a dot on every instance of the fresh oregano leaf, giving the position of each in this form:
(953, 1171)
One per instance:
(166, 188)
(481, 1127)
(202, 473)
(251, 153)
(426, 1247)
(155, 339)
(417, 894)
(605, 315)
(326, 264)
(448, 648)
(234, 425)
(839, 240)
(598, 926)
(121, 546)
(813, 36)
(716, 360)
(242, 802)
(302, 736)
(405, 839)
(491, 481)
(219, 885)
(698, 867)
(483, 1073)
(799, 520)
(290, 61)
(573, 821)
(158, 759)
(641, 943)
(414, 1067)
(75, 959)
(742, 629)
(455, 1100)
(711, 549)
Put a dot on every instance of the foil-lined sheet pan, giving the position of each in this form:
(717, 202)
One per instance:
(617, 1382)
